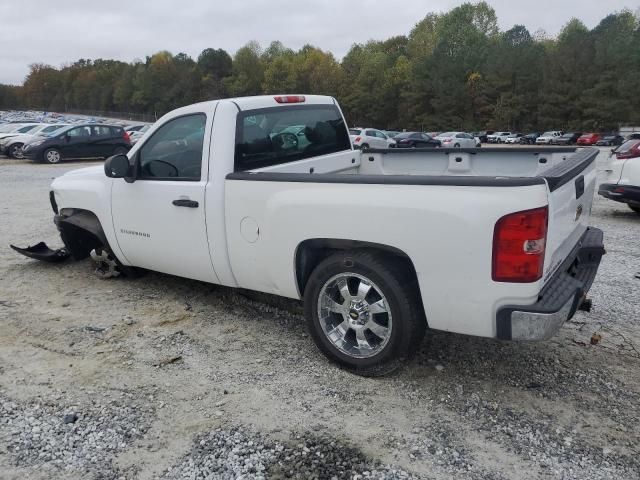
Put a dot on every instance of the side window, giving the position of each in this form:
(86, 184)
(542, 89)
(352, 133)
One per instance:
(101, 131)
(175, 150)
(116, 132)
(370, 133)
(277, 135)
(379, 134)
(79, 132)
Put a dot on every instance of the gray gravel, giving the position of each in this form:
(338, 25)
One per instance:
(176, 379)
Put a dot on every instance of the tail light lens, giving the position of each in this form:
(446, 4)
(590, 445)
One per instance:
(357, 139)
(633, 152)
(519, 241)
(126, 136)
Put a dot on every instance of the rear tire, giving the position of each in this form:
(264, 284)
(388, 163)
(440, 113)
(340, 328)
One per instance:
(52, 156)
(364, 146)
(376, 323)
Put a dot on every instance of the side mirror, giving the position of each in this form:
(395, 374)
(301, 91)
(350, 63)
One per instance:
(117, 166)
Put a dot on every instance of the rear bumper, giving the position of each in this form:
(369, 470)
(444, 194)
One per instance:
(560, 297)
(620, 193)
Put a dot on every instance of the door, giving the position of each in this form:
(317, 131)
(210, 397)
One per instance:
(76, 142)
(102, 142)
(381, 139)
(159, 219)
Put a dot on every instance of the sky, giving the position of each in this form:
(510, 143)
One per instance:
(63, 31)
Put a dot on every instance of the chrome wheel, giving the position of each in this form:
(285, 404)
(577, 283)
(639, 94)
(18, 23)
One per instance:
(106, 265)
(52, 156)
(16, 151)
(354, 315)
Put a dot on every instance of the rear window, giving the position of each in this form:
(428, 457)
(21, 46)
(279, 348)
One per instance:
(354, 131)
(266, 136)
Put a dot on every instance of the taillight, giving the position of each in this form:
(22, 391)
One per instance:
(290, 99)
(519, 241)
(633, 152)
(126, 136)
(357, 139)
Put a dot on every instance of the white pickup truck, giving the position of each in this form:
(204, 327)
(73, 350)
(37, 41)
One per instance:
(380, 244)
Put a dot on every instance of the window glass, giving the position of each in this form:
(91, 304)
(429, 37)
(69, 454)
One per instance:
(102, 131)
(117, 132)
(370, 133)
(51, 128)
(79, 132)
(354, 131)
(380, 135)
(273, 136)
(174, 150)
(27, 128)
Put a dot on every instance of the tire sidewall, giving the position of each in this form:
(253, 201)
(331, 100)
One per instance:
(46, 160)
(13, 149)
(397, 345)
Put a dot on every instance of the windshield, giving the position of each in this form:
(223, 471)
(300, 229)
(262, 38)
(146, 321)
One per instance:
(547, 134)
(26, 129)
(403, 135)
(56, 131)
(447, 134)
(354, 131)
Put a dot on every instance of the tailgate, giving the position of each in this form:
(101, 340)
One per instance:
(572, 185)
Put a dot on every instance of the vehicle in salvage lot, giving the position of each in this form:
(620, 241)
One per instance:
(78, 141)
(379, 244)
(416, 140)
(610, 141)
(588, 139)
(566, 138)
(529, 138)
(547, 137)
(498, 137)
(12, 146)
(513, 138)
(457, 140)
(370, 138)
(623, 176)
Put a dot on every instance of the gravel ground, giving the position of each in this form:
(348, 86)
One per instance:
(162, 377)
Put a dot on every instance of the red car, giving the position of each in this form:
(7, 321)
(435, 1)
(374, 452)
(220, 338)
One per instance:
(589, 139)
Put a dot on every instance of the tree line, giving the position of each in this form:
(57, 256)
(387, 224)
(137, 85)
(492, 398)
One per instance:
(454, 70)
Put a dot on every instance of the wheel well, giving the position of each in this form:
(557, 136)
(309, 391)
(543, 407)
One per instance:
(81, 231)
(311, 252)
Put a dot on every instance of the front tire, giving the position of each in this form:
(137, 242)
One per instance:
(52, 156)
(364, 312)
(15, 150)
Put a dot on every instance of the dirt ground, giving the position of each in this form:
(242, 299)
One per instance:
(161, 377)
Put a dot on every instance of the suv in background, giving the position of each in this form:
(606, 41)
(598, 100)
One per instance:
(78, 141)
(369, 138)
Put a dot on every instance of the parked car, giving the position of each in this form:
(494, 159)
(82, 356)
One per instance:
(12, 146)
(588, 139)
(273, 220)
(369, 138)
(610, 141)
(138, 134)
(483, 135)
(13, 129)
(416, 140)
(498, 137)
(78, 141)
(391, 133)
(547, 137)
(623, 176)
(513, 138)
(135, 128)
(566, 139)
(634, 136)
(529, 138)
(457, 140)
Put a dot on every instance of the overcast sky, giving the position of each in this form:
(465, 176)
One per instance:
(63, 31)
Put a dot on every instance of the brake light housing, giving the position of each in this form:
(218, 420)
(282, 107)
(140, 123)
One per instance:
(290, 99)
(357, 139)
(519, 241)
(126, 136)
(633, 152)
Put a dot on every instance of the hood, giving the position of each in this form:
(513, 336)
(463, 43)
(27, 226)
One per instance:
(22, 137)
(86, 172)
(9, 134)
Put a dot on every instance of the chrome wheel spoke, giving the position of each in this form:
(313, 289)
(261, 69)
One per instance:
(378, 307)
(363, 289)
(378, 330)
(331, 305)
(363, 343)
(344, 290)
(338, 333)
